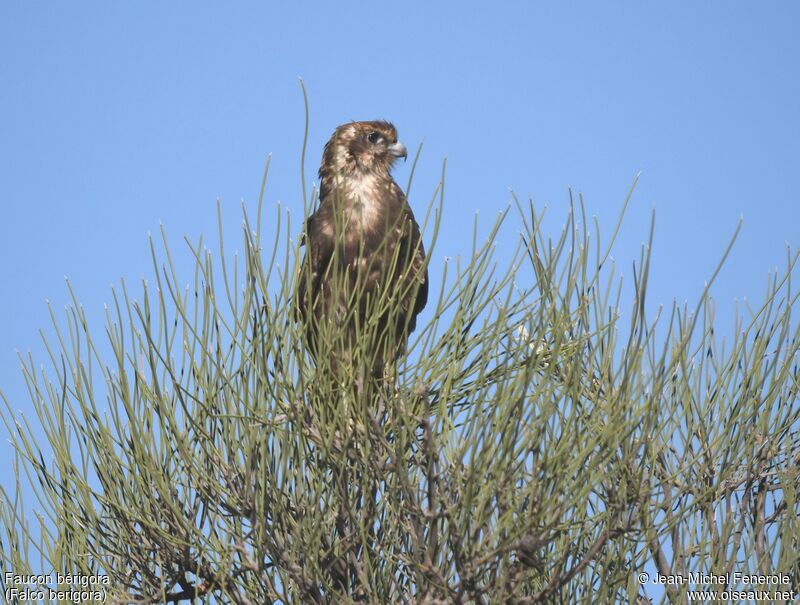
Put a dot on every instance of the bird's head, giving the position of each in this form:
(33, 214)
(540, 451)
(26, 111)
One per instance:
(364, 147)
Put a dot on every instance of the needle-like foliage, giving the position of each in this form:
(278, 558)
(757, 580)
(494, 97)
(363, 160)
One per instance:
(532, 446)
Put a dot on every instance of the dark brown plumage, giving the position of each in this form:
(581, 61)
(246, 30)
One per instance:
(364, 267)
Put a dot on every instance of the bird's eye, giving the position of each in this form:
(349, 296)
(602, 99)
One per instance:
(374, 137)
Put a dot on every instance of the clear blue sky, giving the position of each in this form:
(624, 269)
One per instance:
(118, 116)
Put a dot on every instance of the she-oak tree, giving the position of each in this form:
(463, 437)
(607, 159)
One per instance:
(532, 447)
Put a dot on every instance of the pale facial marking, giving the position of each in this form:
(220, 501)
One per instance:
(341, 156)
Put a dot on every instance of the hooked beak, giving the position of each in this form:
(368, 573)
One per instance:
(398, 150)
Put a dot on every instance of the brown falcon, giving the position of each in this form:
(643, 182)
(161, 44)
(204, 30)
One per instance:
(363, 276)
